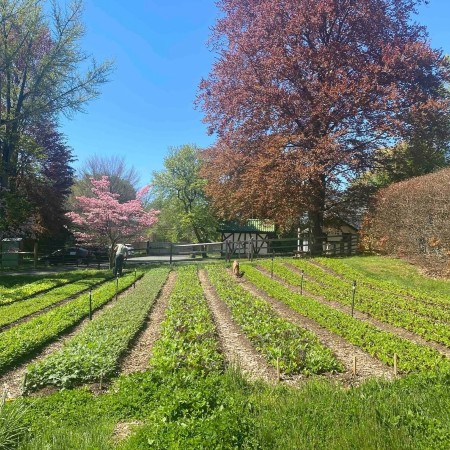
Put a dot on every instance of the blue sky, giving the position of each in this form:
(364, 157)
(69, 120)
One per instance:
(160, 53)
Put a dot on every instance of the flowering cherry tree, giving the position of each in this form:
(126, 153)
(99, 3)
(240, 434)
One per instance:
(102, 220)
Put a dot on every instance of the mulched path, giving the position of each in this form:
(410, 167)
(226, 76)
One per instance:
(366, 365)
(236, 347)
(138, 356)
(12, 380)
(367, 318)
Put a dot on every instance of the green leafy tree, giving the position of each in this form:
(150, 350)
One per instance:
(43, 72)
(178, 193)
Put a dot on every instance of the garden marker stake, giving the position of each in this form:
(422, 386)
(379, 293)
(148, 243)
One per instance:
(353, 296)
(395, 364)
(278, 369)
(90, 304)
(117, 286)
(273, 254)
(301, 283)
(354, 365)
(134, 284)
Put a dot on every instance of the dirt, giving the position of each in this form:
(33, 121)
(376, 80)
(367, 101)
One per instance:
(236, 347)
(138, 356)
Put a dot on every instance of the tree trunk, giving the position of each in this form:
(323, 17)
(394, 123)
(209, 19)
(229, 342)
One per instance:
(316, 218)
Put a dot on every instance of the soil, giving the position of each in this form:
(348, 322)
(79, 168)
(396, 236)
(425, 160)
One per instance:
(138, 356)
(236, 347)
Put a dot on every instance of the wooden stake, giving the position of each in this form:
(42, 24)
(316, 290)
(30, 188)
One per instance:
(301, 283)
(90, 304)
(278, 370)
(354, 366)
(395, 364)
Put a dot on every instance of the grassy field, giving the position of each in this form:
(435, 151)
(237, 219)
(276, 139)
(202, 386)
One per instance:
(189, 399)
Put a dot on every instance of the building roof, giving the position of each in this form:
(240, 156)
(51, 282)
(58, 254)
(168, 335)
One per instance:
(250, 226)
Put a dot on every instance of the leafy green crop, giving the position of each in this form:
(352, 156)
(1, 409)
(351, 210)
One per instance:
(297, 350)
(28, 337)
(17, 310)
(432, 323)
(93, 354)
(22, 287)
(378, 343)
(188, 337)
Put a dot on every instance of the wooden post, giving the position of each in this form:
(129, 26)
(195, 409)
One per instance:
(24, 385)
(117, 286)
(354, 365)
(278, 370)
(273, 255)
(353, 296)
(134, 284)
(301, 283)
(395, 364)
(90, 304)
(171, 251)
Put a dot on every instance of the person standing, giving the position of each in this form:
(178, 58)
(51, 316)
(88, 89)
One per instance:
(120, 252)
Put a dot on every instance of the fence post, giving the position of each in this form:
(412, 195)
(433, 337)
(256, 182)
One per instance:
(171, 252)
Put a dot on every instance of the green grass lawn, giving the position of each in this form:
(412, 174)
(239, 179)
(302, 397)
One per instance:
(399, 272)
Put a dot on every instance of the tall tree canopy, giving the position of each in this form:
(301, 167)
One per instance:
(304, 92)
(179, 193)
(122, 179)
(43, 71)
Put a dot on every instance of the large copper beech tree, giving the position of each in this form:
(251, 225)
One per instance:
(303, 92)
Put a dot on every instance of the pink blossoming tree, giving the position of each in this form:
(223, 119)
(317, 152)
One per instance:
(102, 221)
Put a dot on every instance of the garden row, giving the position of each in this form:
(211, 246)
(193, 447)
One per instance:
(380, 344)
(10, 313)
(22, 287)
(28, 337)
(419, 295)
(432, 323)
(282, 343)
(93, 354)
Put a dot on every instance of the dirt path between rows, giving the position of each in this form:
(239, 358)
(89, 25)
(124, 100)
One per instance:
(138, 356)
(12, 380)
(236, 347)
(344, 351)
(401, 332)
